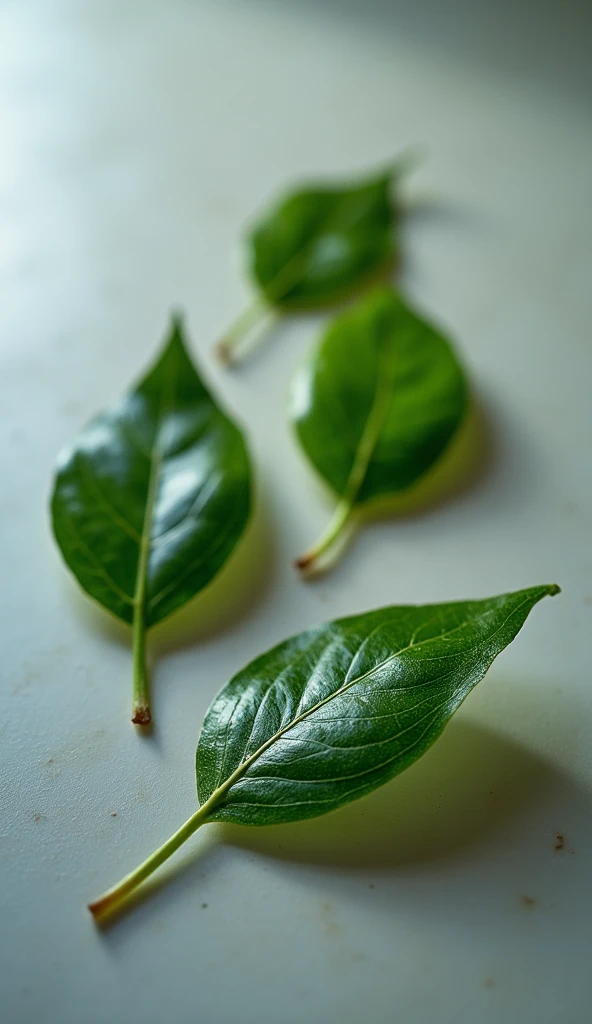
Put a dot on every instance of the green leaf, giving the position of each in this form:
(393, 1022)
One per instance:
(317, 244)
(375, 405)
(151, 498)
(331, 714)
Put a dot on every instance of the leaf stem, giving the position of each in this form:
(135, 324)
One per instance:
(141, 696)
(141, 699)
(384, 384)
(337, 523)
(113, 898)
(248, 319)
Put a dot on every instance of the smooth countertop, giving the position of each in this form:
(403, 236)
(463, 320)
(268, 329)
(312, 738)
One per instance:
(138, 139)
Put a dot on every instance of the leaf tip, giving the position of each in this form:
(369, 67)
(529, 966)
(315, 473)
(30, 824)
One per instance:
(554, 589)
(177, 328)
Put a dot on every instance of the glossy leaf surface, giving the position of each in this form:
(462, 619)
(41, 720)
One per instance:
(331, 714)
(335, 712)
(319, 242)
(316, 244)
(153, 495)
(378, 400)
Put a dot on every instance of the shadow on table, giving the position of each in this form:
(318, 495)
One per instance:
(471, 786)
(470, 783)
(544, 42)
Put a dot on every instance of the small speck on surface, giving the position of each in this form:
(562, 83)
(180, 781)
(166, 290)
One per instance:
(204, 906)
(113, 814)
(528, 901)
(489, 983)
(561, 845)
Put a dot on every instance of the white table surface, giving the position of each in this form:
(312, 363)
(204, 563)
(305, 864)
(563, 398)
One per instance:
(137, 138)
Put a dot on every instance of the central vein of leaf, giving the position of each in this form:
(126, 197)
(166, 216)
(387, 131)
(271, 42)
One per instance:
(347, 685)
(292, 272)
(144, 549)
(156, 458)
(384, 385)
(221, 790)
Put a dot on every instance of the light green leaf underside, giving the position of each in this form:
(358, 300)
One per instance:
(378, 401)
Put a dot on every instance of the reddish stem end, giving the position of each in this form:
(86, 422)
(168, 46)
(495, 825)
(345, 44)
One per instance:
(304, 562)
(141, 715)
(223, 352)
(101, 907)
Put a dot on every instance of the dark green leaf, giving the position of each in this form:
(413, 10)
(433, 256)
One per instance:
(315, 245)
(333, 713)
(152, 496)
(376, 404)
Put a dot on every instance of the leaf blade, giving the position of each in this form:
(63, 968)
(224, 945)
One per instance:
(152, 463)
(264, 742)
(151, 498)
(316, 243)
(379, 638)
(379, 347)
(376, 404)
